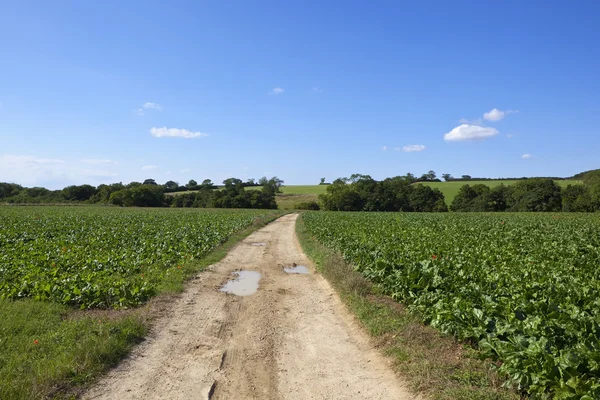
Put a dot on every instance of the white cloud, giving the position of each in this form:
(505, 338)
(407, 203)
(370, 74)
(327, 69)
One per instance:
(317, 89)
(139, 112)
(510, 135)
(470, 132)
(149, 167)
(384, 148)
(153, 106)
(413, 147)
(277, 91)
(175, 132)
(98, 161)
(526, 156)
(496, 115)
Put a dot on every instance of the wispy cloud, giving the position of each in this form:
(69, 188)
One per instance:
(384, 148)
(149, 167)
(148, 106)
(496, 115)
(152, 106)
(31, 161)
(53, 173)
(526, 156)
(98, 161)
(175, 132)
(185, 170)
(469, 132)
(277, 91)
(411, 148)
(98, 174)
(317, 89)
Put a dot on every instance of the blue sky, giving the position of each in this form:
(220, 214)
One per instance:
(300, 90)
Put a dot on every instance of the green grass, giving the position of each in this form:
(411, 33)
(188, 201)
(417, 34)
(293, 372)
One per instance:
(433, 364)
(450, 189)
(46, 348)
(304, 189)
(290, 201)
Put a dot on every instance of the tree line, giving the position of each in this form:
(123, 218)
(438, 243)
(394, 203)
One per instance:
(534, 194)
(356, 193)
(150, 194)
(404, 193)
(363, 193)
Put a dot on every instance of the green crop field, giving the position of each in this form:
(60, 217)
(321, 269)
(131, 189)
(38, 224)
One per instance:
(524, 288)
(104, 257)
(450, 189)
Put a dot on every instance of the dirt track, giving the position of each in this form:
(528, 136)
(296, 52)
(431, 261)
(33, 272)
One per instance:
(293, 339)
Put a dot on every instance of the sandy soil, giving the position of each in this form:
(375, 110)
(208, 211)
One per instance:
(292, 339)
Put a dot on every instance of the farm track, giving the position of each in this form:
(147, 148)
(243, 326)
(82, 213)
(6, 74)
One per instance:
(292, 339)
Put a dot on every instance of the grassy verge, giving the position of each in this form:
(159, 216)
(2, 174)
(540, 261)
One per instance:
(49, 350)
(435, 365)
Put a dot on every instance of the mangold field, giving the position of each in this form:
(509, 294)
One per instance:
(523, 288)
(104, 257)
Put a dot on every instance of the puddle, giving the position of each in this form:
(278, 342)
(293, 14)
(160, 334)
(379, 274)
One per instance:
(258, 244)
(245, 284)
(297, 269)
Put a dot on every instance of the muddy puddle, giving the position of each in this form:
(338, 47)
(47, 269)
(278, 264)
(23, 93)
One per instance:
(297, 269)
(245, 284)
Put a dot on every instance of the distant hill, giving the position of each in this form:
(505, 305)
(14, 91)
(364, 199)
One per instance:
(451, 188)
(593, 174)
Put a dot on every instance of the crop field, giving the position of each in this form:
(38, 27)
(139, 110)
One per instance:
(523, 288)
(450, 189)
(93, 257)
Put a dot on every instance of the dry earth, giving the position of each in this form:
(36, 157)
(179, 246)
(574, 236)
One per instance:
(292, 339)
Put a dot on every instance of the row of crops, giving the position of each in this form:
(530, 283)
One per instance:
(525, 288)
(104, 257)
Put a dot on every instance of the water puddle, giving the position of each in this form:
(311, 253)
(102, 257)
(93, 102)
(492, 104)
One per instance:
(245, 284)
(297, 269)
(258, 244)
